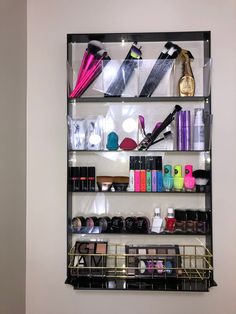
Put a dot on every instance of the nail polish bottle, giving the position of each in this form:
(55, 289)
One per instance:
(178, 179)
(73, 178)
(192, 220)
(83, 179)
(137, 174)
(189, 180)
(154, 174)
(157, 221)
(131, 173)
(168, 180)
(181, 218)
(149, 173)
(159, 174)
(91, 179)
(170, 220)
(142, 174)
(203, 221)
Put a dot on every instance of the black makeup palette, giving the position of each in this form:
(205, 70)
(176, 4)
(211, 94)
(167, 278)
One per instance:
(89, 258)
(153, 261)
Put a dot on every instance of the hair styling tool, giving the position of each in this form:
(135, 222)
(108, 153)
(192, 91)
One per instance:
(161, 66)
(149, 139)
(124, 73)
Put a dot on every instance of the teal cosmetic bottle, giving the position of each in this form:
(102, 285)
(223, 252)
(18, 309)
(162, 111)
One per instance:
(168, 180)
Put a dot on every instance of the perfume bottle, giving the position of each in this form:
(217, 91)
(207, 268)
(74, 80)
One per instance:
(168, 180)
(189, 180)
(186, 82)
(178, 179)
(170, 220)
(198, 129)
(157, 221)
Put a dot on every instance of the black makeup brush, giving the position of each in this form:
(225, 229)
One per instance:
(161, 66)
(148, 141)
(94, 46)
(125, 72)
(202, 179)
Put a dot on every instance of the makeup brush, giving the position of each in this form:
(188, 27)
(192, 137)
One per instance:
(202, 179)
(161, 66)
(89, 62)
(93, 47)
(147, 142)
(124, 73)
(92, 73)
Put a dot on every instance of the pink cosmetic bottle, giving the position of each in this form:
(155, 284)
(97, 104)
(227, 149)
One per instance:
(137, 186)
(189, 180)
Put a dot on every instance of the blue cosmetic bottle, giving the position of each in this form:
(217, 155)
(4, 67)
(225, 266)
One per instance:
(159, 174)
(168, 180)
(154, 175)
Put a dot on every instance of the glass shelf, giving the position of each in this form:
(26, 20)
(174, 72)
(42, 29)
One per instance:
(143, 234)
(174, 151)
(135, 99)
(129, 192)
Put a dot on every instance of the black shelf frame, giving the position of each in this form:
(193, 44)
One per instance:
(134, 284)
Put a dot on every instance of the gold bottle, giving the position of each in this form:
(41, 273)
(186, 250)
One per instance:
(186, 82)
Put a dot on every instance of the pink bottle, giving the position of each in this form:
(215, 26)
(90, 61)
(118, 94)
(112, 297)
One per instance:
(189, 180)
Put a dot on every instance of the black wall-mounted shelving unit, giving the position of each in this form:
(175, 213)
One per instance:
(108, 279)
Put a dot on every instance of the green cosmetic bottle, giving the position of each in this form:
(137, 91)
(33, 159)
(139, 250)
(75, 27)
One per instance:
(178, 179)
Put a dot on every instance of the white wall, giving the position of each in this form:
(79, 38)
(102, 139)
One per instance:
(48, 24)
(13, 155)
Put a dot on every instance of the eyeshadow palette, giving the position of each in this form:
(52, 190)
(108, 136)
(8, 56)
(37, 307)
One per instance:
(89, 259)
(153, 261)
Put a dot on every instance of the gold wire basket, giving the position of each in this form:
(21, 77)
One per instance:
(98, 259)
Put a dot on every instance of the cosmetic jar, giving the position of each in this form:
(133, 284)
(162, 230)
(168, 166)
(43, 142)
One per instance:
(104, 183)
(192, 220)
(120, 184)
(104, 223)
(131, 224)
(77, 223)
(91, 222)
(117, 224)
(143, 225)
(181, 218)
